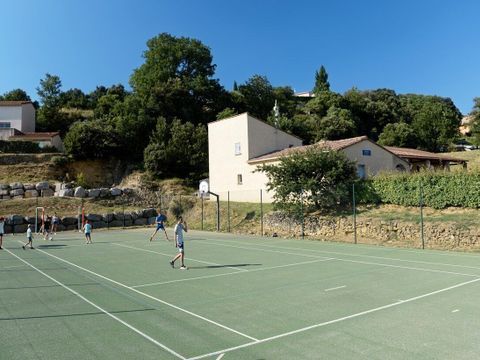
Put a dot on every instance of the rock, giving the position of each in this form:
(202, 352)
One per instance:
(104, 192)
(116, 223)
(140, 221)
(99, 224)
(79, 192)
(94, 217)
(147, 213)
(127, 191)
(61, 227)
(29, 186)
(8, 229)
(6, 197)
(17, 192)
(4, 187)
(47, 193)
(16, 185)
(108, 217)
(151, 220)
(31, 220)
(43, 185)
(68, 220)
(134, 215)
(119, 216)
(128, 217)
(66, 193)
(70, 227)
(16, 220)
(115, 192)
(128, 222)
(69, 185)
(20, 228)
(94, 193)
(4, 192)
(17, 197)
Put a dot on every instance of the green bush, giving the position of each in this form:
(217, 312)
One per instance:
(17, 147)
(59, 161)
(439, 189)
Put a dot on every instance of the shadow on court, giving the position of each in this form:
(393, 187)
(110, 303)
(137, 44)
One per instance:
(222, 266)
(51, 246)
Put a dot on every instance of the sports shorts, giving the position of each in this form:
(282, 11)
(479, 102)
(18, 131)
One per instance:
(160, 226)
(180, 248)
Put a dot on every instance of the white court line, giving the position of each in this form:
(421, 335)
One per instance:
(230, 273)
(456, 310)
(336, 288)
(149, 296)
(11, 267)
(220, 356)
(361, 255)
(352, 261)
(335, 320)
(101, 309)
(170, 255)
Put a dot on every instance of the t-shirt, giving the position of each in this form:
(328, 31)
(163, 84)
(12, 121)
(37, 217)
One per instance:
(161, 218)
(46, 224)
(2, 227)
(88, 228)
(29, 233)
(179, 228)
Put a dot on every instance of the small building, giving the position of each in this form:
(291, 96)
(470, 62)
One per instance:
(419, 159)
(43, 139)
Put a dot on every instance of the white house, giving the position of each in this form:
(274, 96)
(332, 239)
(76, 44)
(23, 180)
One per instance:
(19, 115)
(232, 142)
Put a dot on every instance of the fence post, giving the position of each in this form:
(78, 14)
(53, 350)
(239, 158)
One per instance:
(123, 212)
(218, 209)
(201, 195)
(261, 213)
(354, 215)
(421, 216)
(303, 220)
(228, 210)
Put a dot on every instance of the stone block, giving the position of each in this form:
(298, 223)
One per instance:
(20, 228)
(140, 221)
(151, 220)
(128, 222)
(115, 192)
(94, 217)
(108, 217)
(47, 193)
(16, 220)
(104, 192)
(68, 220)
(16, 186)
(79, 192)
(66, 193)
(94, 193)
(116, 223)
(119, 216)
(4, 187)
(5, 192)
(31, 193)
(42, 185)
(147, 213)
(28, 187)
(16, 192)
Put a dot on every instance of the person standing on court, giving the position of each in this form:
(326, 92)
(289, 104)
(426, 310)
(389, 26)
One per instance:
(2, 230)
(160, 219)
(88, 232)
(29, 237)
(179, 229)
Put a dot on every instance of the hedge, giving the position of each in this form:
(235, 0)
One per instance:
(439, 189)
(23, 147)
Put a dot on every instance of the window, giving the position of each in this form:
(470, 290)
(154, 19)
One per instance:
(5, 125)
(239, 179)
(238, 150)
(361, 171)
(367, 152)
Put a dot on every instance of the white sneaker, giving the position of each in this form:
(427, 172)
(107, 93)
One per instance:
(183, 268)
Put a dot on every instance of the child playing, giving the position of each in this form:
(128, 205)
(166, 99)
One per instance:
(88, 230)
(179, 229)
(2, 230)
(29, 237)
(160, 220)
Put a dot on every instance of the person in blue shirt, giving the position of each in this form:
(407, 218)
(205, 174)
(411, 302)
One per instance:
(179, 244)
(88, 232)
(160, 225)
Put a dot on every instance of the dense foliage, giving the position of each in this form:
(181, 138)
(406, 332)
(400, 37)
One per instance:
(313, 180)
(23, 147)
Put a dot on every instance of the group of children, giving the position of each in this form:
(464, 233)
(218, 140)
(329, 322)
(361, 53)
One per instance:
(50, 224)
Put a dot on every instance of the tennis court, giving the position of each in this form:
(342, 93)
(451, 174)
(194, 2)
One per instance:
(241, 298)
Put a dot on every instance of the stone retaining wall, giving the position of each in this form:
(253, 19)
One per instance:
(437, 235)
(19, 223)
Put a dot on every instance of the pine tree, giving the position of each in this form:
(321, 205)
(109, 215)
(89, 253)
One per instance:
(321, 81)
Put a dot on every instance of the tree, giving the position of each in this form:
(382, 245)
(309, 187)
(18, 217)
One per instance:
(74, 98)
(258, 96)
(314, 179)
(91, 139)
(178, 150)
(49, 90)
(176, 81)
(226, 113)
(49, 117)
(15, 95)
(475, 124)
(398, 134)
(321, 81)
(337, 124)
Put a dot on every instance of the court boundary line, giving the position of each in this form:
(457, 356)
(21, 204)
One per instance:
(232, 273)
(353, 261)
(361, 255)
(293, 332)
(150, 296)
(169, 255)
(131, 327)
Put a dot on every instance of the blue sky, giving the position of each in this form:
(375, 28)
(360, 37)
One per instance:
(423, 46)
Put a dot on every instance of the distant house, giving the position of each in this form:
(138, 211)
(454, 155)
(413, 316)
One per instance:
(17, 123)
(239, 144)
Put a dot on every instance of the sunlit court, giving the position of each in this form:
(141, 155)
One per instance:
(242, 297)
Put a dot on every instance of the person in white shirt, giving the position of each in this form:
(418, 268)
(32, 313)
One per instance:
(178, 231)
(29, 237)
(2, 230)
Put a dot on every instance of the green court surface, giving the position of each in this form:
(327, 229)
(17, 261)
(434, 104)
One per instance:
(241, 298)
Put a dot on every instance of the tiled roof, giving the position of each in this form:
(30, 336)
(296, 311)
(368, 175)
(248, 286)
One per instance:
(14, 103)
(407, 153)
(328, 144)
(35, 135)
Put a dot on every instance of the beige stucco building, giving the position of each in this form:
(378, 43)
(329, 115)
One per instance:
(232, 142)
(16, 115)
